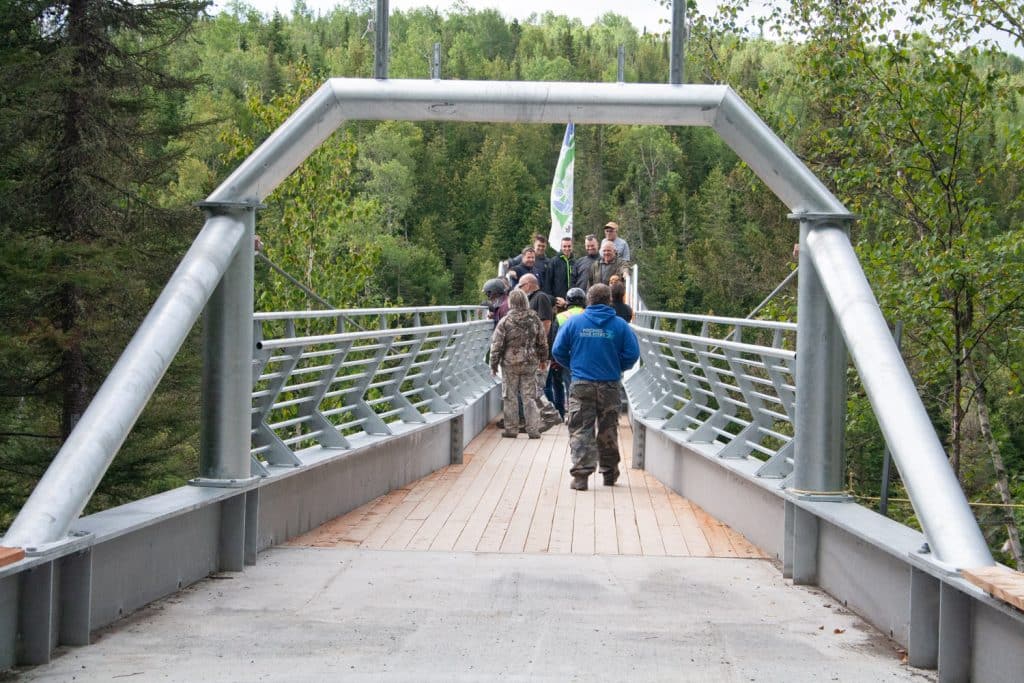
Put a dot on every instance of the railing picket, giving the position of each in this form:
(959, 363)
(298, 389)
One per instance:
(705, 386)
(382, 373)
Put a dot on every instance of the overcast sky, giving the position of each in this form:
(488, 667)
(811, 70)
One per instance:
(649, 14)
(641, 13)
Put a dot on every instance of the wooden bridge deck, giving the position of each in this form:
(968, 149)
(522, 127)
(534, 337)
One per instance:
(513, 496)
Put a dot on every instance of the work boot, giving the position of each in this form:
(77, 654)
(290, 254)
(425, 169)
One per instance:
(535, 435)
(509, 435)
(611, 477)
(501, 423)
(579, 482)
(549, 422)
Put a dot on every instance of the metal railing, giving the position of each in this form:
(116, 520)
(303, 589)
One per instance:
(725, 382)
(316, 383)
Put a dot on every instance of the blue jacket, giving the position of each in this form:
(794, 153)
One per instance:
(596, 345)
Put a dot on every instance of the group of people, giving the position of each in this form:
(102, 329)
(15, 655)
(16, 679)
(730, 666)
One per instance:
(606, 262)
(565, 327)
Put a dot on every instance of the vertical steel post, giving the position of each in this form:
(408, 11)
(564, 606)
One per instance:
(676, 65)
(380, 41)
(622, 64)
(435, 65)
(820, 380)
(883, 502)
(225, 421)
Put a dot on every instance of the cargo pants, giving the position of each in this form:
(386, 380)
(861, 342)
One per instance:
(519, 382)
(593, 417)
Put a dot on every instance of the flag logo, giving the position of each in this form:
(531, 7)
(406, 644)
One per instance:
(561, 190)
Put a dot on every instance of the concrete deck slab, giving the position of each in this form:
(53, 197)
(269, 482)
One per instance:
(312, 614)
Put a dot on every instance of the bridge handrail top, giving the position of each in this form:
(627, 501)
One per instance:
(287, 342)
(337, 312)
(740, 322)
(770, 351)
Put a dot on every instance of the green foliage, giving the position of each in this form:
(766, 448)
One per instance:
(91, 107)
(921, 135)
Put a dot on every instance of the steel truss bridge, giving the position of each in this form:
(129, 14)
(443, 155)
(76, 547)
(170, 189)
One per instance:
(306, 416)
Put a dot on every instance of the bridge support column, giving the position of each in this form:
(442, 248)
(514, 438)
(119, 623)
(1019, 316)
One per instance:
(39, 616)
(457, 427)
(955, 635)
(800, 547)
(820, 379)
(639, 443)
(923, 641)
(225, 422)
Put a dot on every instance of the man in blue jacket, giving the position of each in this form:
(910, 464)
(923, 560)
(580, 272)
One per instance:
(597, 346)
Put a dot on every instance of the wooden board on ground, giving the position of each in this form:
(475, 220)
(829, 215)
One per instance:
(1001, 582)
(513, 496)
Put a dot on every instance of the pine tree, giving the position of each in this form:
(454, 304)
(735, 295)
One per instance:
(89, 108)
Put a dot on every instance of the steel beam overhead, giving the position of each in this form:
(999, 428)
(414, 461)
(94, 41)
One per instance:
(714, 106)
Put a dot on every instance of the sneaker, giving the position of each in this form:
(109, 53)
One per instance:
(535, 435)
(611, 477)
(509, 435)
(578, 483)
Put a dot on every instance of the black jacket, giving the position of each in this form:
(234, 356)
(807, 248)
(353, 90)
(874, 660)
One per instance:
(558, 276)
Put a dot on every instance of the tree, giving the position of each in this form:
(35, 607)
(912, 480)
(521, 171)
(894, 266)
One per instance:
(908, 130)
(89, 107)
(388, 158)
(312, 229)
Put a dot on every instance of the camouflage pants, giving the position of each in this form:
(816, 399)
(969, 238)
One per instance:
(516, 382)
(593, 416)
(548, 412)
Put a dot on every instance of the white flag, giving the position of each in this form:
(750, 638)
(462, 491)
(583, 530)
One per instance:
(561, 190)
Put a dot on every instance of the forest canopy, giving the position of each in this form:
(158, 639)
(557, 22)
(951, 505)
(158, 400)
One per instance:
(120, 116)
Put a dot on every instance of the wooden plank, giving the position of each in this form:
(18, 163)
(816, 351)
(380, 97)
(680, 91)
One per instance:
(1001, 582)
(469, 496)
(501, 517)
(742, 546)
(512, 495)
(480, 517)
(605, 541)
(455, 488)
(627, 535)
(475, 495)
(671, 535)
(329, 533)
(565, 510)
(689, 526)
(555, 477)
(522, 517)
(10, 555)
(381, 536)
(377, 514)
(646, 521)
(714, 532)
(583, 519)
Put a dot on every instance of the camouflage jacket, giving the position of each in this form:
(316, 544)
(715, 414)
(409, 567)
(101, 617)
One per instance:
(518, 341)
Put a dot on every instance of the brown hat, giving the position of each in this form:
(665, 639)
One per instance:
(611, 224)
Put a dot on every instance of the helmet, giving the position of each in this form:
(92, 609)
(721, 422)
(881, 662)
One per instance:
(495, 287)
(576, 297)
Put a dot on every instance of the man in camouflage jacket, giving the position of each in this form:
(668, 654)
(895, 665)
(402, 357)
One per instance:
(519, 346)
